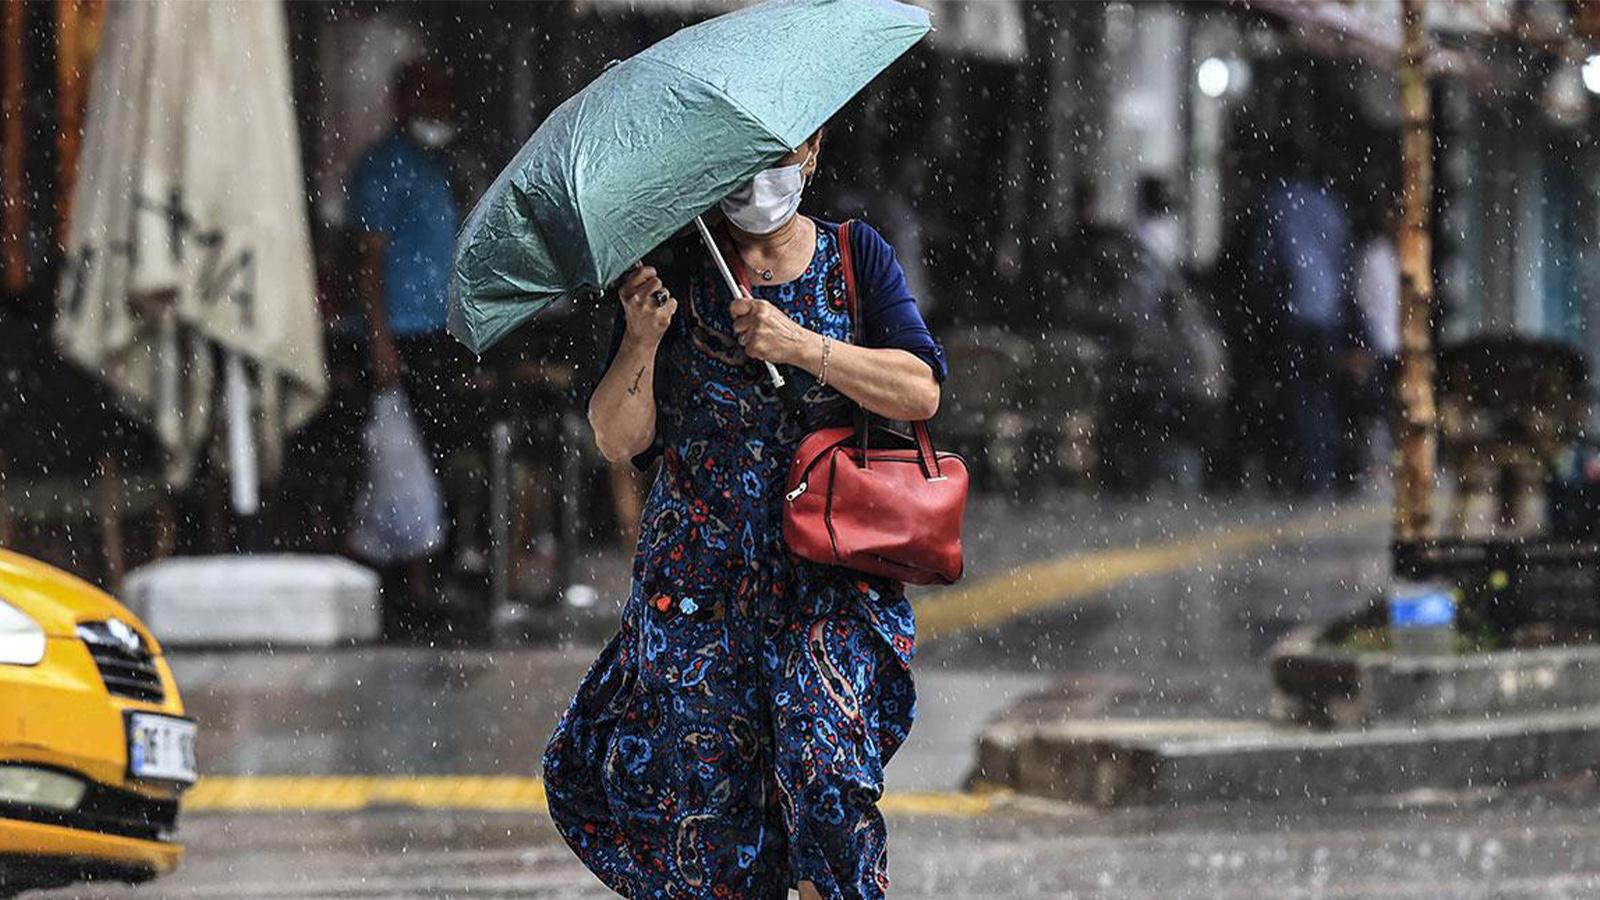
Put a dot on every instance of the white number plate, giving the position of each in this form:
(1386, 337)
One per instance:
(161, 748)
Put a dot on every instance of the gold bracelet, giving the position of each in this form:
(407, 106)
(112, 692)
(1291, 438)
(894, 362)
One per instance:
(822, 370)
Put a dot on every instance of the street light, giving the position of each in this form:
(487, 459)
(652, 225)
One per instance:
(1591, 74)
(1213, 77)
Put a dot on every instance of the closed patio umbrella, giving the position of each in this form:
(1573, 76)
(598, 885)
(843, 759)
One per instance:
(189, 256)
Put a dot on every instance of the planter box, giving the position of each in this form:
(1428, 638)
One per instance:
(1328, 688)
(1113, 763)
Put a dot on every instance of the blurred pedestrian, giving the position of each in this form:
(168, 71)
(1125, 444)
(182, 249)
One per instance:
(1248, 315)
(1193, 352)
(1116, 290)
(1160, 225)
(405, 214)
(1377, 298)
(751, 698)
(1302, 250)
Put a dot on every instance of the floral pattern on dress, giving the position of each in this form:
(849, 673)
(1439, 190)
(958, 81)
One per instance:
(730, 740)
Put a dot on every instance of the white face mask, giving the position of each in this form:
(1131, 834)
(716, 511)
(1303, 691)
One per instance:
(431, 133)
(764, 203)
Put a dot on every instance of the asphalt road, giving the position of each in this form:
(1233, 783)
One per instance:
(1536, 845)
(1076, 609)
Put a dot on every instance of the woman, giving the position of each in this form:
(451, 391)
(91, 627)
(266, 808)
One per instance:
(730, 740)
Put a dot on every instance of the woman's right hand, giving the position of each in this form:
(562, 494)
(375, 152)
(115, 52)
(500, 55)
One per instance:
(647, 305)
(622, 409)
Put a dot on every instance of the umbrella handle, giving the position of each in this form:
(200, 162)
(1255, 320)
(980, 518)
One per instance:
(733, 283)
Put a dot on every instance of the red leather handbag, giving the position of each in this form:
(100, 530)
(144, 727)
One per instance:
(873, 500)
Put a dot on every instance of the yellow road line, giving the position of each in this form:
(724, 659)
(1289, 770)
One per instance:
(496, 793)
(330, 793)
(937, 803)
(980, 605)
(1057, 581)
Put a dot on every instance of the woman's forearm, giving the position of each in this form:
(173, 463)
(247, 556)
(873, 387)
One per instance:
(622, 409)
(892, 383)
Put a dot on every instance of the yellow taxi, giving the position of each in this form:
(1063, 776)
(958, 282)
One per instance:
(95, 749)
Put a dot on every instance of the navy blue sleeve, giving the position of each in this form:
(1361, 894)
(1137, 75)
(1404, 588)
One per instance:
(889, 314)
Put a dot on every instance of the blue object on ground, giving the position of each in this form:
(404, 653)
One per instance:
(1424, 607)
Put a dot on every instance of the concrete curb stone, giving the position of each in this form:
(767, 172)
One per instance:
(1327, 688)
(1124, 762)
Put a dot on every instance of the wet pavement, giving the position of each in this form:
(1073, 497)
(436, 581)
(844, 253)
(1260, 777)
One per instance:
(1170, 633)
(1538, 845)
(1155, 640)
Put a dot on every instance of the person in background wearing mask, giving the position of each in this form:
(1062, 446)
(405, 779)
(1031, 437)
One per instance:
(731, 738)
(404, 210)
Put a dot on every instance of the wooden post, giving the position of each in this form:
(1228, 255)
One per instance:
(13, 208)
(79, 25)
(1414, 475)
(69, 108)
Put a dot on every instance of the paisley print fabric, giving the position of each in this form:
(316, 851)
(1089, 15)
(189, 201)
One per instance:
(730, 740)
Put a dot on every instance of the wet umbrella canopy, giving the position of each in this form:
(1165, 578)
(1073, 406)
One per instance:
(655, 141)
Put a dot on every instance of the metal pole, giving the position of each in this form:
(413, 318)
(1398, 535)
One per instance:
(500, 488)
(573, 434)
(1414, 473)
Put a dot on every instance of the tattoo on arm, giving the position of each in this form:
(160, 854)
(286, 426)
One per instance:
(633, 389)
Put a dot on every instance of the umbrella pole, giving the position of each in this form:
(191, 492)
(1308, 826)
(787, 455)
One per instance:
(244, 479)
(733, 283)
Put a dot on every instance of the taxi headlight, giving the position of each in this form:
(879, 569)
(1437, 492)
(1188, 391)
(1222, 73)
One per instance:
(45, 788)
(21, 638)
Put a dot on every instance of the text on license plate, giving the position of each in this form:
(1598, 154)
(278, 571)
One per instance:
(161, 747)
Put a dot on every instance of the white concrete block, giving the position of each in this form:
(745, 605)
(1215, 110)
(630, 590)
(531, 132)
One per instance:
(259, 599)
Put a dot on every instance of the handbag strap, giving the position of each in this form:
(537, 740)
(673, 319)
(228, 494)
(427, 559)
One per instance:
(919, 429)
(851, 306)
(847, 263)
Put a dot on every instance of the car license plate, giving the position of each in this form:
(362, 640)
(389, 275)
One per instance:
(161, 748)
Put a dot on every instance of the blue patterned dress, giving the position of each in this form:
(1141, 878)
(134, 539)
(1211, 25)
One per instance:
(730, 740)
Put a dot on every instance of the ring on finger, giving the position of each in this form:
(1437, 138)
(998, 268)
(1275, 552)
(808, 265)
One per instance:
(660, 296)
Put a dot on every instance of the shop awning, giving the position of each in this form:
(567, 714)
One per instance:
(991, 30)
(1371, 29)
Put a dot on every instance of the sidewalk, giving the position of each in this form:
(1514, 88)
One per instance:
(1162, 694)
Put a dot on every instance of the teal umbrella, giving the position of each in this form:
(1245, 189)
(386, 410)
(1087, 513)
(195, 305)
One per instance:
(654, 142)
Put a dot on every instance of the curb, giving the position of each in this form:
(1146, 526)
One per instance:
(1338, 689)
(1112, 763)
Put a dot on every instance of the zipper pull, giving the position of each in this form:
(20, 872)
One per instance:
(799, 489)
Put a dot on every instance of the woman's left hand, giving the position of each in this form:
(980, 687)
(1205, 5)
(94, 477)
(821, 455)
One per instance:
(767, 334)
